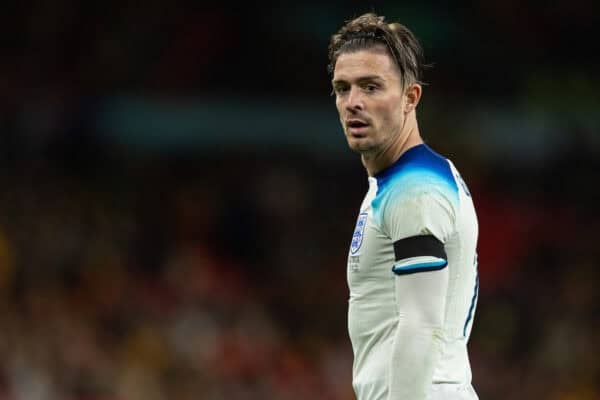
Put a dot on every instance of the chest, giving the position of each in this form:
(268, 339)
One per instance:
(371, 253)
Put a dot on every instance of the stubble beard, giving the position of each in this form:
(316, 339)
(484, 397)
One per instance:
(364, 146)
(368, 147)
(372, 149)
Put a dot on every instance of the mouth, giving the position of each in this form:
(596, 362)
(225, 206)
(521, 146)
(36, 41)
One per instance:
(356, 127)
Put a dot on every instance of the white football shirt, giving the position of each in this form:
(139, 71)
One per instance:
(412, 276)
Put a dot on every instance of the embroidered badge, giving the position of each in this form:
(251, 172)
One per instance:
(359, 231)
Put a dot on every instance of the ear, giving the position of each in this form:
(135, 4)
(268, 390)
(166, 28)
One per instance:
(413, 95)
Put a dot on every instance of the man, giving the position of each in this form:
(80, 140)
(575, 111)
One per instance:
(412, 265)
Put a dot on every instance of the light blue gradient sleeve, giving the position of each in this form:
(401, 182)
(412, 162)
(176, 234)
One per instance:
(417, 201)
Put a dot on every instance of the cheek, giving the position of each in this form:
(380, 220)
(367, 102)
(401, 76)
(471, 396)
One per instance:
(338, 105)
(389, 116)
(393, 114)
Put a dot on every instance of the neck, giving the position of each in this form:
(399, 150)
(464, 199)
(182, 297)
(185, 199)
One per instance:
(407, 138)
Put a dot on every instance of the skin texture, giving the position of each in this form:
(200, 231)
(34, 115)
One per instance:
(376, 112)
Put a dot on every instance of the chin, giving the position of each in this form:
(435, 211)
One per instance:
(360, 146)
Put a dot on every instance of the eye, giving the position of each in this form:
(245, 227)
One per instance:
(340, 89)
(371, 87)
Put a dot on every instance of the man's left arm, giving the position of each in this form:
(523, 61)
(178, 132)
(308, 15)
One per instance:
(419, 227)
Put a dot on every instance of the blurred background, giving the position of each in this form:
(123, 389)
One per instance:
(177, 198)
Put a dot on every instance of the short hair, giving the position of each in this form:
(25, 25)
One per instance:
(370, 31)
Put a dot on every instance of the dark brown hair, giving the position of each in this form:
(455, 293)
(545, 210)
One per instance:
(370, 30)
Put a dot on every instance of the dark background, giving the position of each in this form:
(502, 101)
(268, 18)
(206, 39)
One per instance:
(177, 197)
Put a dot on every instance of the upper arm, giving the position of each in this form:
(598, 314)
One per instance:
(419, 226)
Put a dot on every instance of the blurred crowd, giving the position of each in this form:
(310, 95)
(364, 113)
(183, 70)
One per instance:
(170, 286)
(221, 274)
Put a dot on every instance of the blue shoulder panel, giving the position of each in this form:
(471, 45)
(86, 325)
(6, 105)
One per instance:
(418, 170)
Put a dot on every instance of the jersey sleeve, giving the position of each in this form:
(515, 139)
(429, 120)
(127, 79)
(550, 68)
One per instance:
(419, 223)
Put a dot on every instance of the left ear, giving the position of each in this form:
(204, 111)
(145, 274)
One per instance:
(413, 95)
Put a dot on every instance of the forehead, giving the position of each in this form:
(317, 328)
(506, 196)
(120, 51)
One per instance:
(371, 62)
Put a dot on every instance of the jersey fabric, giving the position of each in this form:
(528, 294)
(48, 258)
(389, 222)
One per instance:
(412, 277)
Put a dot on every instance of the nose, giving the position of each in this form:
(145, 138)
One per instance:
(354, 101)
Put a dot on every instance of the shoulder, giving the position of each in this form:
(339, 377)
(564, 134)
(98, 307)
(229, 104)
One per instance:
(417, 194)
(420, 173)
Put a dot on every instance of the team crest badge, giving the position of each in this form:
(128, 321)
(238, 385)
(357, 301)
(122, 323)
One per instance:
(359, 232)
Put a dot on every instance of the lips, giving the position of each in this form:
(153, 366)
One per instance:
(356, 127)
(356, 123)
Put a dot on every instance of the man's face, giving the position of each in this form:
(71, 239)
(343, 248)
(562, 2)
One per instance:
(369, 99)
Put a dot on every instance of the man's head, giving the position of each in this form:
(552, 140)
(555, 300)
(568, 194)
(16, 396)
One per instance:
(376, 70)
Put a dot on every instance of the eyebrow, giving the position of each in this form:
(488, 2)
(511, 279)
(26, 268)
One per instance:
(360, 79)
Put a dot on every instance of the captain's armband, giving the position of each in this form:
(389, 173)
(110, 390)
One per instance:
(419, 254)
